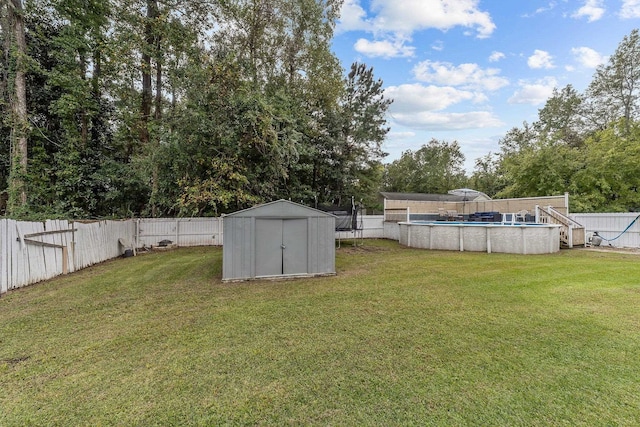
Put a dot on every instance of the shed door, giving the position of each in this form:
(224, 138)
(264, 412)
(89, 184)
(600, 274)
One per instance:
(281, 246)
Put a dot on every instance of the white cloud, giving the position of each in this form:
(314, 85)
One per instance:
(588, 57)
(395, 21)
(496, 56)
(417, 97)
(468, 76)
(398, 140)
(438, 121)
(400, 135)
(534, 93)
(540, 59)
(592, 10)
(630, 9)
(406, 16)
(352, 17)
(438, 45)
(384, 48)
(552, 5)
(420, 107)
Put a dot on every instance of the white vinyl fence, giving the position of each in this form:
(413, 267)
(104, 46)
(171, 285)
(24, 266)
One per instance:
(370, 227)
(34, 251)
(612, 226)
(180, 231)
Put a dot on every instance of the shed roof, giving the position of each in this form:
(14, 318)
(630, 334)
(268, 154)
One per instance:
(422, 197)
(280, 209)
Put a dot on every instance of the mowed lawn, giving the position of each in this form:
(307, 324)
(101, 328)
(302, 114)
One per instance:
(399, 337)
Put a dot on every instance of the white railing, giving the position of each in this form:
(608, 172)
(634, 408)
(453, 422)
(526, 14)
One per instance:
(572, 233)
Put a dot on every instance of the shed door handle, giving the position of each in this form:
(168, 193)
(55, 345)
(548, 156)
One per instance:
(283, 246)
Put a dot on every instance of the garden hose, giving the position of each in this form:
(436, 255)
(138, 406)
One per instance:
(595, 233)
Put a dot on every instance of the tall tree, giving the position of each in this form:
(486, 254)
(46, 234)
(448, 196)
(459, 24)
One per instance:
(146, 70)
(614, 92)
(17, 45)
(360, 133)
(560, 120)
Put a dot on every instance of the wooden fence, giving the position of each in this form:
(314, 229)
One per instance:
(34, 251)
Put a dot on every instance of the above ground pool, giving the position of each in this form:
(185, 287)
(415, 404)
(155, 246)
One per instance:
(513, 238)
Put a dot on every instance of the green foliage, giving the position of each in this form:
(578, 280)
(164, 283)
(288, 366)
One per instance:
(225, 188)
(614, 92)
(486, 176)
(436, 167)
(146, 107)
(583, 144)
(560, 120)
(347, 138)
(610, 178)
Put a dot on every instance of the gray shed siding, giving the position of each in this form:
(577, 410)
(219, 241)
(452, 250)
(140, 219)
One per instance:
(278, 239)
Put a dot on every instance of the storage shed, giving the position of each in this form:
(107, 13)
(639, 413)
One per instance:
(278, 239)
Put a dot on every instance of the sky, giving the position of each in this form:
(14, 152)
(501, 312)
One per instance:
(471, 70)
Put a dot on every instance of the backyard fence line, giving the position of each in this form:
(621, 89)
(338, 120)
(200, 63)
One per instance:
(34, 251)
(31, 252)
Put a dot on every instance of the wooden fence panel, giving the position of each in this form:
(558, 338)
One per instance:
(393, 208)
(96, 242)
(13, 247)
(21, 259)
(33, 255)
(34, 251)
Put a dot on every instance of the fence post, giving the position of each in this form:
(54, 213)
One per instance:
(138, 233)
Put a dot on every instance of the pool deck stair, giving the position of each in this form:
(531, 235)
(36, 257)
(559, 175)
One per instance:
(572, 233)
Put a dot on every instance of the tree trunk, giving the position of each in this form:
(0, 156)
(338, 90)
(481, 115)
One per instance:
(84, 117)
(18, 101)
(158, 101)
(147, 93)
(155, 39)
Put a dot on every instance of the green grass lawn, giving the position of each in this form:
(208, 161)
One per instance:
(399, 337)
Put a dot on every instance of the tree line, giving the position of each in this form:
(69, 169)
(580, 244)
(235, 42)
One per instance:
(115, 108)
(119, 108)
(586, 144)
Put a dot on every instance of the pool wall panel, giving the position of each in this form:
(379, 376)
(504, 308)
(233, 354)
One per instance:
(475, 237)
